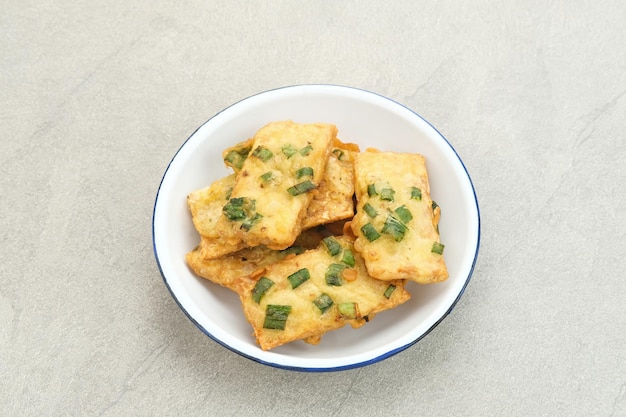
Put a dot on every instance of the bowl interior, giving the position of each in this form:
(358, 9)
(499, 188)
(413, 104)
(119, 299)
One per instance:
(363, 118)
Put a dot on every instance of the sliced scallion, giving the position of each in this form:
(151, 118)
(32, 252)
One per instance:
(371, 190)
(262, 153)
(301, 188)
(251, 221)
(416, 193)
(276, 316)
(237, 156)
(369, 231)
(306, 150)
(348, 257)
(395, 228)
(332, 245)
(404, 214)
(339, 154)
(387, 194)
(260, 288)
(304, 172)
(267, 176)
(299, 277)
(369, 210)
(238, 208)
(333, 275)
(323, 302)
(348, 310)
(437, 248)
(390, 289)
(288, 150)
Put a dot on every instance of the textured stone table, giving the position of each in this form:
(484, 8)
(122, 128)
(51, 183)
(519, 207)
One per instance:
(96, 97)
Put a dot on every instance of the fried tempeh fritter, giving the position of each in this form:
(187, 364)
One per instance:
(276, 183)
(395, 224)
(315, 292)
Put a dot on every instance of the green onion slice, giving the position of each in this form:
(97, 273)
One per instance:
(301, 188)
(437, 248)
(239, 208)
(289, 150)
(339, 154)
(395, 228)
(260, 288)
(369, 210)
(262, 153)
(370, 233)
(299, 277)
(332, 245)
(404, 214)
(267, 176)
(416, 193)
(251, 221)
(371, 190)
(348, 257)
(276, 316)
(306, 150)
(390, 289)
(323, 302)
(348, 310)
(304, 172)
(237, 156)
(333, 275)
(387, 194)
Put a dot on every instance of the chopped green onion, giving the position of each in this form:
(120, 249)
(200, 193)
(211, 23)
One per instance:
(306, 150)
(238, 208)
(323, 302)
(348, 257)
(276, 316)
(301, 188)
(296, 250)
(437, 248)
(387, 194)
(434, 205)
(370, 233)
(289, 150)
(404, 214)
(390, 289)
(348, 310)
(304, 172)
(237, 156)
(260, 288)
(299, 277)
(339, 154)
(228, 193)
(416, 193)
(333, 246)
(251, 221)
(333, 275)
(369, 210)
(371, 190)
(267, 176)
(395, 228)
(262, 153)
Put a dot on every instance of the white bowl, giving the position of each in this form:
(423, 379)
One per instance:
(362, 117)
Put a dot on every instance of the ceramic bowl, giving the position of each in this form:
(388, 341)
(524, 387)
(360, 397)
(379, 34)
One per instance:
(364, 118)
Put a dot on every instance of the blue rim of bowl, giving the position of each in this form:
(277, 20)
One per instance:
(334, 368)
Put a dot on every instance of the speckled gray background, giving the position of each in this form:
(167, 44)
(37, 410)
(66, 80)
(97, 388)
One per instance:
(96, 97)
